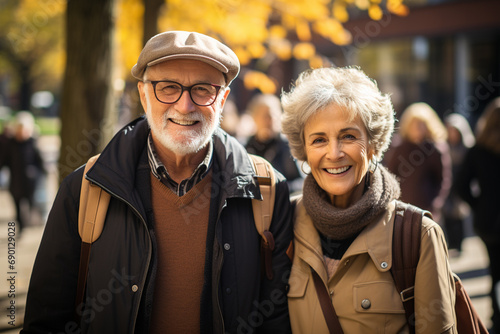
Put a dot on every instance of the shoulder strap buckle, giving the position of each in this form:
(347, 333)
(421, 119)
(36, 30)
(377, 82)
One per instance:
(407, 294)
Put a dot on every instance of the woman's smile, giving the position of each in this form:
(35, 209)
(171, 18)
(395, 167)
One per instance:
(337, 171)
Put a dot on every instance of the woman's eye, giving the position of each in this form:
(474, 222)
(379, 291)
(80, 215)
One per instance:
(348, 136)
(318, 140)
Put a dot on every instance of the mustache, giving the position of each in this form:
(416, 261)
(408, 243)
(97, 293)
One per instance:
(191, 117)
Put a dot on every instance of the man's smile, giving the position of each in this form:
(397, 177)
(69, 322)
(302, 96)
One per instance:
(183, 122)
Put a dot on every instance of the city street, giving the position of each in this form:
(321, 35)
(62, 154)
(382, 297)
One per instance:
(471, 265)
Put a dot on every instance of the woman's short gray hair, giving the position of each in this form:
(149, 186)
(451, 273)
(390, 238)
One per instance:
(349, 88)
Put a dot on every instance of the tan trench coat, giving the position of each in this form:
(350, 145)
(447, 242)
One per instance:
(364, 273)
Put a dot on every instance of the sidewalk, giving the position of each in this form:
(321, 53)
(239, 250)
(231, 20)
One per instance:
(24, 248)
(471, 267)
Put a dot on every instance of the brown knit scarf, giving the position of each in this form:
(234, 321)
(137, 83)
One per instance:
(339, 224)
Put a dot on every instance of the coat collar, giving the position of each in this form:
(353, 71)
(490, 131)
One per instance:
(117, 167)
(375, 240)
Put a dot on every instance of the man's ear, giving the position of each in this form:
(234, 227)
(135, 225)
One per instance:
(224, 98)
(141, 87)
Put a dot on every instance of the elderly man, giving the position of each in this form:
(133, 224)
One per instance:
(179, 252)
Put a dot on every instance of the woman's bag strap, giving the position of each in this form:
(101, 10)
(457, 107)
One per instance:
(332, 321)
(406, 253)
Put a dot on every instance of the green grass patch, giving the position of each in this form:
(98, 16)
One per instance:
(48, 125)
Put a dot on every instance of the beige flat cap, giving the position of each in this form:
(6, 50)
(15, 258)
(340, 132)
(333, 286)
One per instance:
(187, 45)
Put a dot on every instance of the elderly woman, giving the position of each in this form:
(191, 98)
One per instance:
(339, 123)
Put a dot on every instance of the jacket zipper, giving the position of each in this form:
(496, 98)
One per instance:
(138, 214)
(219, 271)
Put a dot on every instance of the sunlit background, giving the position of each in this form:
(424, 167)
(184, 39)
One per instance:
(68, 63)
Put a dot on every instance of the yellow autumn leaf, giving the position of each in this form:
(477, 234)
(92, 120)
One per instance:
(342, 37)
(311, 10)
(327, 27)
(362, 4)
(277, 31)
(316, 62)
(339, 12)
(375, 12)
(303, 31)
(304, 50)
(243, 55)
(258, 80)
(282, 48)
(129, 32)
(288, 21)
(397, 7)
(256, 50)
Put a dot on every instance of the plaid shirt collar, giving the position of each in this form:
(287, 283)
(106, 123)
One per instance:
(160, 171)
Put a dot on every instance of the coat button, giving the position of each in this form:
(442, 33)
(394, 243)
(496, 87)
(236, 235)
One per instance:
(135, 288)
(366, 304)
(384, 265)
(228, 291)
(227, 246)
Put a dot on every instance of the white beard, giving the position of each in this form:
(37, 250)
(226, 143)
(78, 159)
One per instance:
(187, 141)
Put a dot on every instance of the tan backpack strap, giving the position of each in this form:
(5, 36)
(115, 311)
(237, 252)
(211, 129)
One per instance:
(94, 203)
(263, 210)
(406, 253)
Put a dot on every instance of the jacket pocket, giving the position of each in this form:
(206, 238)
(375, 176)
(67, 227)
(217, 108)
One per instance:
(298, 282)
(377, 297)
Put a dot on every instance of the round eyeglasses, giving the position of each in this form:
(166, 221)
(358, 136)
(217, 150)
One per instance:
(202, 94)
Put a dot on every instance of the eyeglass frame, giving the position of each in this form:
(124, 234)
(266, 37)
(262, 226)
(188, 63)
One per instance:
(185, 88)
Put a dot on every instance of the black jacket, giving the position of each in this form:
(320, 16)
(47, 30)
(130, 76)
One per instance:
(25, 165)
(120, 284)
(477, 182)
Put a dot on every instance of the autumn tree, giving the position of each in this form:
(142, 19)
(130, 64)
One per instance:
(262, 32)
(266, 31)
(31, 46)
(87, 89)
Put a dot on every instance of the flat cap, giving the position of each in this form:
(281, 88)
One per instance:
(187, 45)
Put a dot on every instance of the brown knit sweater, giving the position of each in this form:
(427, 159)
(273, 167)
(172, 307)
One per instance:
(181, 228)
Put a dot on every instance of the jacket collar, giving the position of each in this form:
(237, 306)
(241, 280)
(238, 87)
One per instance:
(375, 239)
(117, 167)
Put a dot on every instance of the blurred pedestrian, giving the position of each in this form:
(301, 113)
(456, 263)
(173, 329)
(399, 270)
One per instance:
(478, 183)
(456, 210)
(267, 141)
(26, 167)
(420, 158)
(230, 118)
(5, 137)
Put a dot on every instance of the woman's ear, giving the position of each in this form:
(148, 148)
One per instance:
(371, 153)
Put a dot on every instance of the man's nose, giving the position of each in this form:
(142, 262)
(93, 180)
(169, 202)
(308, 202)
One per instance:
(185, 104)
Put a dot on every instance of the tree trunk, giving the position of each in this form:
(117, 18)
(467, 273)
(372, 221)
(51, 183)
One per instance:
(87, 91)
(25, 89)
(152, 9)
(151, 13)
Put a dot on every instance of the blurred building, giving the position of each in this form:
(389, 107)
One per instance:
(445, 53)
